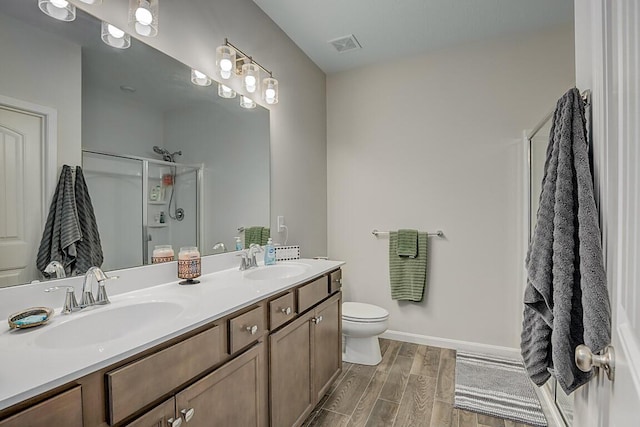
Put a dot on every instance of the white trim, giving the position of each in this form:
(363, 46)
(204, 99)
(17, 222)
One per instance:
(49, 160)
(549, 407)
(449, 343)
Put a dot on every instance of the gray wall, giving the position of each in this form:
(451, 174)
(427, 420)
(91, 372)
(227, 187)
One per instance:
(442, 149)
(191, 31)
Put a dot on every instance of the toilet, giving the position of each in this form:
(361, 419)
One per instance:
(361, 325)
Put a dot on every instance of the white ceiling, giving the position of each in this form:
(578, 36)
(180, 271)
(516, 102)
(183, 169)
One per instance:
(389, 29)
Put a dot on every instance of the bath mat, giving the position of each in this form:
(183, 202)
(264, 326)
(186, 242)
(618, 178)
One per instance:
(498, 387)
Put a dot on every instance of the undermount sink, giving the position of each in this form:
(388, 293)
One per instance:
(105, 323)
(277, 271)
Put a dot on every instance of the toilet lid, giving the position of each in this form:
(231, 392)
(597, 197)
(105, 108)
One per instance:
(358, 311)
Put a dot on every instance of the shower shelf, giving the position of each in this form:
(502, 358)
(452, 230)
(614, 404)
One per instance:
(157, 202)
(157, 225)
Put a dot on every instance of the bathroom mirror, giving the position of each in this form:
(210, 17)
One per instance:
(166, 161)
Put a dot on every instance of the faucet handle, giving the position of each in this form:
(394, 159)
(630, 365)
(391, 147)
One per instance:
(244, 262)
(70, 302)
(101, 297)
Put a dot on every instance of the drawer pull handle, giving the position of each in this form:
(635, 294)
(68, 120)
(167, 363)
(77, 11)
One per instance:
(174, 422)
(317, 320)
(188, 414)
(338, 281)
(252, 329)
(286, 311)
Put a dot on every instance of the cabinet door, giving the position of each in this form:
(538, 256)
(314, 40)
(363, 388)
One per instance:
(327, 344)
(162, 415)
(292, 398)
(233, 395)
(64, 409)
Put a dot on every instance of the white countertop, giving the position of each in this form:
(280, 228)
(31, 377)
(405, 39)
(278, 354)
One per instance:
(32, 363)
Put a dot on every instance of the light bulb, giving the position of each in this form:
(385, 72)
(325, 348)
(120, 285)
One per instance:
(270, 93)
(199, 78)
(250, 81)
(225, 64)
(115, 31)
(60, 3)
(144, 16)
(225, 91)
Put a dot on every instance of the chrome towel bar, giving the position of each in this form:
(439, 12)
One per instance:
(438, 233)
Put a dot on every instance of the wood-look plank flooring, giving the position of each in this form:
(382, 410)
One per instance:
(412, 386)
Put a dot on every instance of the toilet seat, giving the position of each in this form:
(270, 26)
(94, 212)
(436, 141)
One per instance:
(363, 313)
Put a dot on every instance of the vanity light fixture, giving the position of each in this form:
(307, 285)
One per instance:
(270, 90)
(114, 36)
(225, 91)
(247, 103)
(250, 76)
(143, 15)
(96, 2)
(200, 79)
(230, 59)
(58, 9)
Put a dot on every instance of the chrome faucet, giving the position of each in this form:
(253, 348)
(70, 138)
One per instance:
(55, 270)
(253, 249)
(244, 261)
(87, 298)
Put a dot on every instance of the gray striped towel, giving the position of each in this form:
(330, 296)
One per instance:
(408, 276)
(62, 229)
(89, 247)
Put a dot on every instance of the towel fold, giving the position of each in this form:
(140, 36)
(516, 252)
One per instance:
(89, 247)
(566, 298)
(407, 275)
(408, 243)
(257, 234)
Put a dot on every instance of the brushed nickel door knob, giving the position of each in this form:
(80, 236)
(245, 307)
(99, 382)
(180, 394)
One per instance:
(188, 414)
(586, 360)
(174, 422)
(286, 311)
(252, 329)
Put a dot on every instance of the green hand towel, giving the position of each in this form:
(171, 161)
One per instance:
(253, 235)
(408, 243)
(264, 236)
(408, 276)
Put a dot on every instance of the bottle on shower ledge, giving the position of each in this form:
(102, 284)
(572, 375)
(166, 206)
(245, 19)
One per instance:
(238, 244)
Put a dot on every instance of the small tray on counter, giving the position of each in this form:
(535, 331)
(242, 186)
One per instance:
(30, 317)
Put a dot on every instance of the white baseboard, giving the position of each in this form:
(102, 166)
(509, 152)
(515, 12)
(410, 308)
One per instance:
(551, 411)
(449, 343)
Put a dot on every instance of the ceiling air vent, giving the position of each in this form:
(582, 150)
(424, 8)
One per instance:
(345, 44)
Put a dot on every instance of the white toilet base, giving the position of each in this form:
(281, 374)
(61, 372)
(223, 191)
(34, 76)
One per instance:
(363, 351)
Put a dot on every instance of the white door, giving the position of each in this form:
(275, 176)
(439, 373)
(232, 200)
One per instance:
(615, 29)
(21, 180)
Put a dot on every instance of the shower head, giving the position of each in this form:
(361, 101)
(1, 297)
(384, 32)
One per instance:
(166, 155)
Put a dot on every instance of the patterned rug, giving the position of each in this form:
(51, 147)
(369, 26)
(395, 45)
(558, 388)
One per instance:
(498, 387)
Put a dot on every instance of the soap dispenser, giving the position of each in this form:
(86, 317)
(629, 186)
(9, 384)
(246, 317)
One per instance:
(238, 244)
(269, 253)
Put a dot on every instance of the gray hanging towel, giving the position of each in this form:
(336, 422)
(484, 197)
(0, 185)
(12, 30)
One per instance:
(566, 299)
(89, 247)
(62, 229)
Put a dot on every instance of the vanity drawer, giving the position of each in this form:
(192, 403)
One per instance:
(335, 281)
(312, 293)
(139, 383)
(245, 329)
(281, 310)
(65, 409)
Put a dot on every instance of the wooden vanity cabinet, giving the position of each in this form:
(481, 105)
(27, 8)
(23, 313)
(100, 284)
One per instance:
(233, 395)
(163, 415)
(305, 358)
(230, 372)
(64, 409)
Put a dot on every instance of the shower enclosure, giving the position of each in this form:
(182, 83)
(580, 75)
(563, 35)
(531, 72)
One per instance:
(140, 203)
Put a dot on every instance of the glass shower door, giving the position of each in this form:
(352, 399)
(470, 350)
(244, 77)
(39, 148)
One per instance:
(115, 186)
